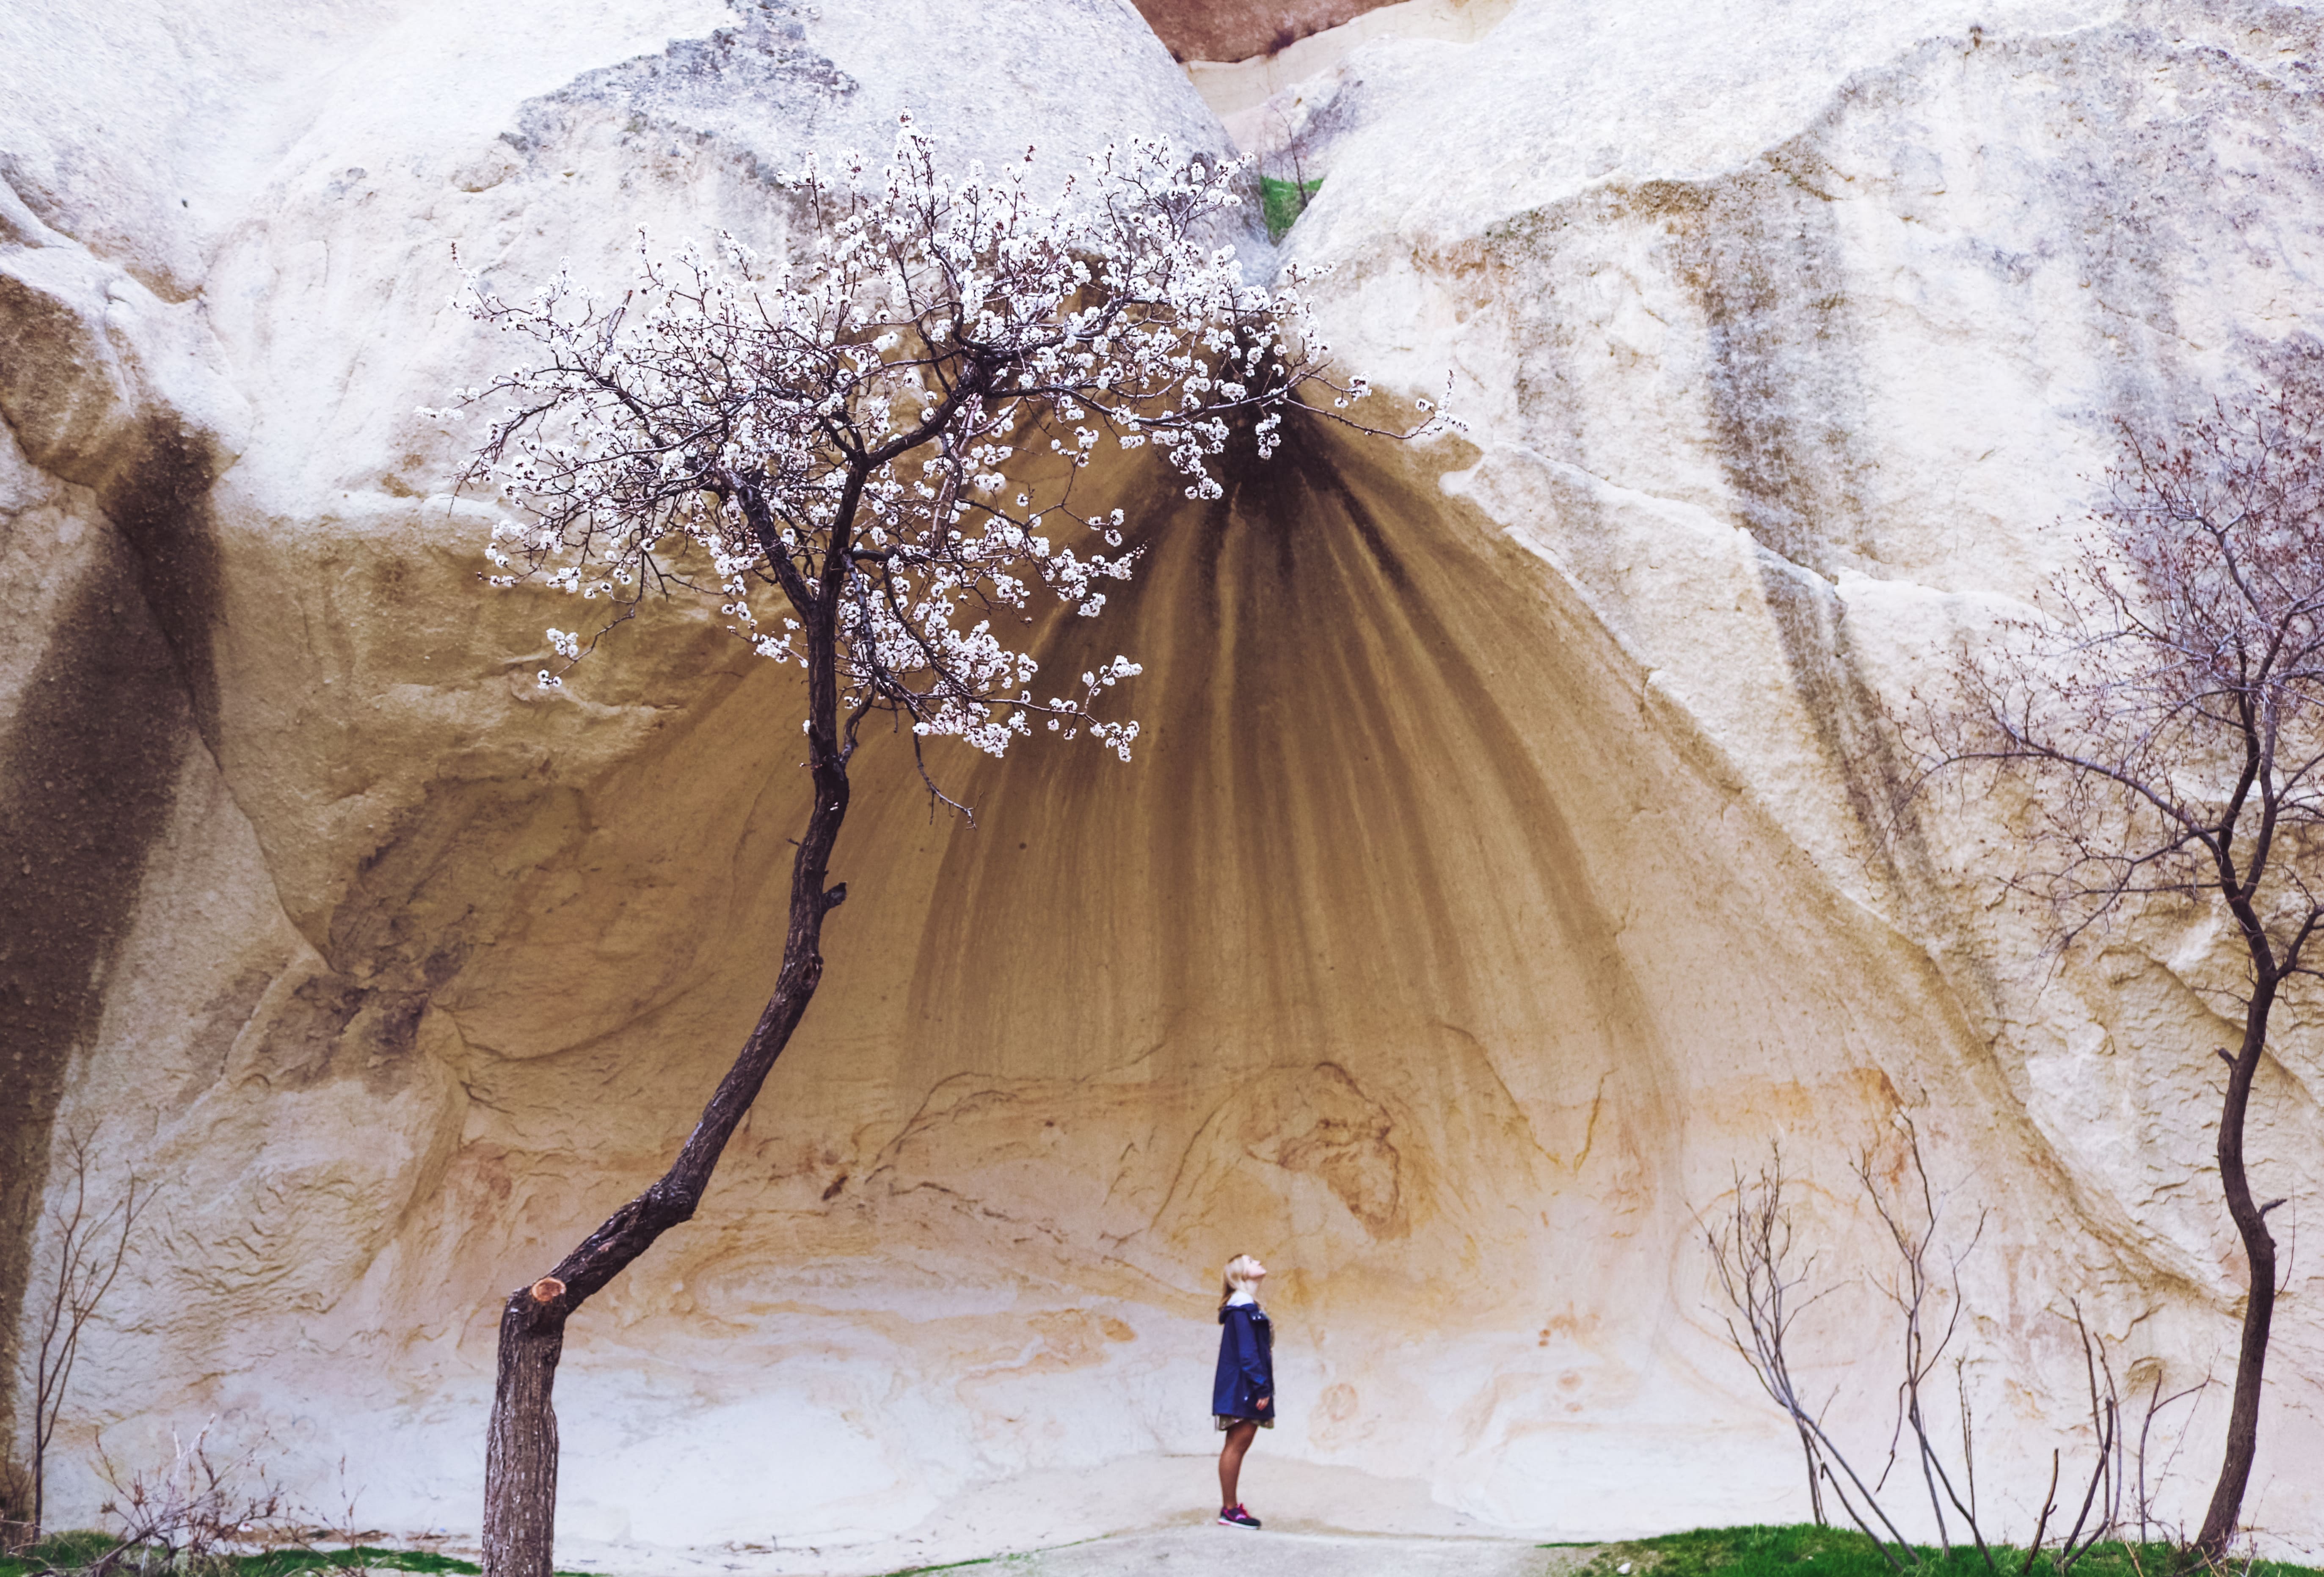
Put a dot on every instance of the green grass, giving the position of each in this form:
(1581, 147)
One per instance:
(66, 1551)
(59, 1549)
(1802, 1550)
(1285, 200)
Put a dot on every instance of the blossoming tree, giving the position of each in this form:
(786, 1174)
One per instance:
(863, 451)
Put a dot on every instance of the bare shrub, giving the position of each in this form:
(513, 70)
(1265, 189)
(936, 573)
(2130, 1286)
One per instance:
(88, 1244)
(1765, 1275)
(187, 1516)
(2143, 1491)
(206, 1512)
(1752, 1253)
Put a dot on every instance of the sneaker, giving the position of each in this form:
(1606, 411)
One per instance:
(1236, 1516)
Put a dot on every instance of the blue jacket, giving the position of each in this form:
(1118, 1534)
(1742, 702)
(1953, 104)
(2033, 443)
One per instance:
(1246, 1363)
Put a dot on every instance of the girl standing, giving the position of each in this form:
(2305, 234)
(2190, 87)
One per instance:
(1243, 1396)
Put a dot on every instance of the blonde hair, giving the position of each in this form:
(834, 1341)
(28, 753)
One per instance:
(1238, 1278)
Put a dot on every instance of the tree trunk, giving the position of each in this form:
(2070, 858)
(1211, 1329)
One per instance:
(2259, 1308)
(520, 1453)
(521, 1447)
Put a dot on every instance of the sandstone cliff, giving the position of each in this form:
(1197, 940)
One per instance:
(1492, 879)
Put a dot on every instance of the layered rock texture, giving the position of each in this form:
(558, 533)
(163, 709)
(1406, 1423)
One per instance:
(1495, 876)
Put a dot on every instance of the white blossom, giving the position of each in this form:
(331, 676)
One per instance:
(835, 435)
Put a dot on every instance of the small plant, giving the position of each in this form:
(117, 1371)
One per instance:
(1285, 202)
(206, 1515)
(185, 1517)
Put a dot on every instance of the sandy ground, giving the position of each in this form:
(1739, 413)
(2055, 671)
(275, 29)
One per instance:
(1202, 1551)
(1140, 1513)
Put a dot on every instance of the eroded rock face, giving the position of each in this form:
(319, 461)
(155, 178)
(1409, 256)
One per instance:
(1492, 879)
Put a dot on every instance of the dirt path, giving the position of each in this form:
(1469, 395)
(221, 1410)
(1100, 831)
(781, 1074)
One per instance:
(1211, 1551)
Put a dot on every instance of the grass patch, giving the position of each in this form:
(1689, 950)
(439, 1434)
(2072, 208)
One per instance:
(1803, 1550)
(1285, 200)
(363, 1557)
(69, 1552)
(59, 1549)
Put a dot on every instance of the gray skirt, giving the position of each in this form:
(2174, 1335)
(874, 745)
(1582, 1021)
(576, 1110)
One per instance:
(1225, 1421)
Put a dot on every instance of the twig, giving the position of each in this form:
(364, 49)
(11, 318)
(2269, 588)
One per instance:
(2048, 1501)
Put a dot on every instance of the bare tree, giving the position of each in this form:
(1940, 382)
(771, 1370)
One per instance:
(2165, 707)
(89, 1243)
(863, 452)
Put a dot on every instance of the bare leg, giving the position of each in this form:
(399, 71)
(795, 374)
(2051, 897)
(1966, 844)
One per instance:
(1230, 1455)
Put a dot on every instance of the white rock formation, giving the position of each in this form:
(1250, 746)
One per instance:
(1492, 882)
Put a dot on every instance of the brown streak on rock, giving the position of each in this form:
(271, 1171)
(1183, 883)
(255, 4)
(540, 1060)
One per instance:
(88, 769)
